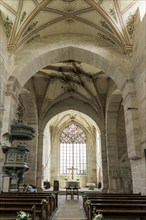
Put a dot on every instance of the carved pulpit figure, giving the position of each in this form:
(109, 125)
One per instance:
(72, 171)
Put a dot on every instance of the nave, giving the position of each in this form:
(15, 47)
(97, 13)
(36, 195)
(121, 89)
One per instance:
(72, 209)
(70, 67)
(59, 206)
(69, 209)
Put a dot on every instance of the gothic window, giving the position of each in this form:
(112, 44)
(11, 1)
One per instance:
(73, 150)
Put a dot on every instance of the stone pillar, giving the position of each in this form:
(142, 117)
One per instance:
(1, 118)
(133, 134)
(7, 114)
(91, 157)
(3, 78)
(11, 102)
(131, 120)
(20, 181)
(54, 132)
(39, 161)
(13, 182)
(112, 153)
(104, 163)
(1, 152)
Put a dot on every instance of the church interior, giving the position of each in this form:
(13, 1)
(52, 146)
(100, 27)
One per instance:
(73, 95)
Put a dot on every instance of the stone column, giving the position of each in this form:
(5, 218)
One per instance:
(1, 152)
(104, 163)
(133, 134)
(54, 132)
(131, 120)
(1, 117)
(91, 157)
(112, 153)
(13, 182)
(39, 161)
(11, 102)
(7, 115)
(3, 79)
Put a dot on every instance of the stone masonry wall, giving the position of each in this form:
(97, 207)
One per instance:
(138, 64)
(3, 77)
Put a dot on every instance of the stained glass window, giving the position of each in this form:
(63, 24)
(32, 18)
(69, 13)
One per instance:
(73, 150)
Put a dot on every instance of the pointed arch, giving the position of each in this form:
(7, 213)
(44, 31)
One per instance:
(90, 54)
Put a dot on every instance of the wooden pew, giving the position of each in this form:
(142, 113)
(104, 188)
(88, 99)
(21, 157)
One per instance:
(8, 218)
(129, 211)
(10, 213)
(32, 198)
(111, 194)
(53, 197)
(132, 209)
(41, 209)
(54, 194)
(92, 195)
(131, 205)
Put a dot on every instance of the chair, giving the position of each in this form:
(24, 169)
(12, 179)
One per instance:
(72, 191)
(68, 192)
(76, 192)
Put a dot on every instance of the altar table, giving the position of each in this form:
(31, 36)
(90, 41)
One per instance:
(72, 184)
(72, 187)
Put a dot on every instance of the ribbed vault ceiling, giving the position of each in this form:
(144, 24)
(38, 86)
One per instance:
(69, 80)
(109, 20)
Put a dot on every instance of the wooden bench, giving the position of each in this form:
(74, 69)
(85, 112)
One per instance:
(54, 195)
(118, 211)
(32, 198)
(41, 194)
(41, 210)
(50, 207)
(92, 195)
(115, 208)
(10, 213)
(8, 218)
(125, 204)
(98, 194)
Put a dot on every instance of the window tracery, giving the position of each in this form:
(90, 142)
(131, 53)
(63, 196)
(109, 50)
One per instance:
(73, 150)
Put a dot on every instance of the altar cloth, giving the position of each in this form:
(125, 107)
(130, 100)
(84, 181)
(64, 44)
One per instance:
(72, 184)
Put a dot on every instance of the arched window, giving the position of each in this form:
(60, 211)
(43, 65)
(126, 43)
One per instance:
(73, 150)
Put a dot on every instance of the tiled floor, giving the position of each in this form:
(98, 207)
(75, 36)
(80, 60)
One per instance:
(72, 209)
(69, 209)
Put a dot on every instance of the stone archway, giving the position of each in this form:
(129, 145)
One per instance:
(111, 66)
(52, 133)
(75, 104)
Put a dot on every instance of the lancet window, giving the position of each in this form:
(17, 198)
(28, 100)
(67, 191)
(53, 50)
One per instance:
(73, 150)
